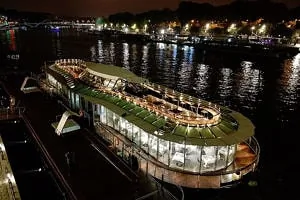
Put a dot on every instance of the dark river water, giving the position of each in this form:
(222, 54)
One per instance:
(265, 89)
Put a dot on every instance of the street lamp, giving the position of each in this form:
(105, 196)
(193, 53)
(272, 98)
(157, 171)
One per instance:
(207, 27)
(252, 29)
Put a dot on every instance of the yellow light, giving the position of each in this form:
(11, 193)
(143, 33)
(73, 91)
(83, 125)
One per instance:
(133, 26)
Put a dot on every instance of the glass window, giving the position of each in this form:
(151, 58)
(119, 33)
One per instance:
(231, 153)
(109, 116)
(116, 119)
(103, 115)
(163, 151)
(97, 114)
(177, 155)
(136, 135)
(129, 130)
(222, 157)
(192, 158)
(144, 141)
(153, 145)
(123, 129)
(208, 158)
(77, 104)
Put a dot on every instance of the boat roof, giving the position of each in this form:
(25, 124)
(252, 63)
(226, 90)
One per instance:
(113, 72)
(233, 128)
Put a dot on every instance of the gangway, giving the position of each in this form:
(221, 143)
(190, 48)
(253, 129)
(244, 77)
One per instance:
(29, 89)
(65, 124)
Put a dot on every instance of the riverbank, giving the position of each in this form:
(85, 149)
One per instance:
(224, 44)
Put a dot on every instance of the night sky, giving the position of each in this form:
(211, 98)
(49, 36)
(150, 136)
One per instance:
(106, 7)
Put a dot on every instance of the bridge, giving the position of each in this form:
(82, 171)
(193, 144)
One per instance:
(54, 24)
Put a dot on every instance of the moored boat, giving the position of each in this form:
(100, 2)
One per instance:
(169, 135)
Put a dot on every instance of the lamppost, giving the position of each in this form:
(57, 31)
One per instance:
(7, 109)
(252, 30)
(207, 27)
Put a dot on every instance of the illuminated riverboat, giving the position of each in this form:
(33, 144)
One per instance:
(169, 135)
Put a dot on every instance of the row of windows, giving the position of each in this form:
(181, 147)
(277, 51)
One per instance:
(180, 156)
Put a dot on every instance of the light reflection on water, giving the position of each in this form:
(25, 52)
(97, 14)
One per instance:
(290, 77)
(289, 83)
(225, 83)
(144, 65)
(266, 90)
(201, 80)
(125, 56)
(249, 84)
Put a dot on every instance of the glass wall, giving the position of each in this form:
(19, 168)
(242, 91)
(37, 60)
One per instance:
(191, 158)
(103, 115)
(77, 101)
(144, 141)
(136, 136)
(109, 117)
(153, 145)
(163, 151)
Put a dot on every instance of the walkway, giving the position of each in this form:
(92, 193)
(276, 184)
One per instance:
(8, 187)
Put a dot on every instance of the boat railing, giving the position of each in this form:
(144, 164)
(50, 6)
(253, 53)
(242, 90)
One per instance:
(185, 117)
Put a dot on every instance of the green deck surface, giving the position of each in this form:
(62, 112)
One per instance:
(233, 128)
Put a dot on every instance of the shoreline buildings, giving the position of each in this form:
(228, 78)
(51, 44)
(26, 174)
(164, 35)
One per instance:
(169, 135)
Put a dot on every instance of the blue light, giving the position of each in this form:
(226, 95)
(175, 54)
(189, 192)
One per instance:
(55, 29)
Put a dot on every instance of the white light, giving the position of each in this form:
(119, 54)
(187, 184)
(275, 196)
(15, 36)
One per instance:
(10, 177)
(2, 148)
(207, 26)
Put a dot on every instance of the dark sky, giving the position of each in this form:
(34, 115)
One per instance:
(106, 7)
